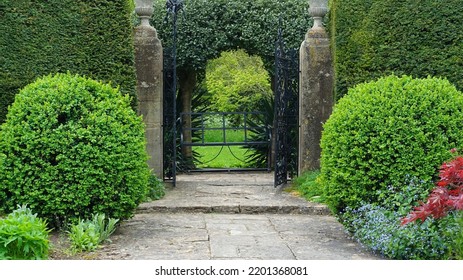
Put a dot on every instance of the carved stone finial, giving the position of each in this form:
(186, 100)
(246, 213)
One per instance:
(317, 10)
(145, 14)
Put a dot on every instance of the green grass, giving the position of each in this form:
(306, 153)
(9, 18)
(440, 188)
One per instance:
(218, 135)
(218, 156)
(224, 160)
(308, 186)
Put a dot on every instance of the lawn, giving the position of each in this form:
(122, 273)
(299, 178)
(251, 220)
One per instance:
(222, 156)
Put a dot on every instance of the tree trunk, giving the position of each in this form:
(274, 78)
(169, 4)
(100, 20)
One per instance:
(187, 83)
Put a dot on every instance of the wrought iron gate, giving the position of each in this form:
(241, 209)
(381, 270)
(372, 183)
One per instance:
(286, 111)
(170, 118)
(170, 95)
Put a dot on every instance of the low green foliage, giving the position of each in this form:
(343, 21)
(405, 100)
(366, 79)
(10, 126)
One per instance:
(456, 235)
(379, 229)
(309, 186)
(378, 226)
(72, 147)
(156, 189)
(385, 130)
(23, 236)
(89, 234)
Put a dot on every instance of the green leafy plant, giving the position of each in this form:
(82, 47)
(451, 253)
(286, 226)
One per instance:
(385, 130)
(73, 147)
(156, 189)
(456, 235)
(87, 235)
(309, 186)
(378, 228)
(23, 236)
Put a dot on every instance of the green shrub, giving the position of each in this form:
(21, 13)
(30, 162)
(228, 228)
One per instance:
(73, 147)
(375, 38)
(23, 236)
(89, 234)
(93, 38)
(383, 131)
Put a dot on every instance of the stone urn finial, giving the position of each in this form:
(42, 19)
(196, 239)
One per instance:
(317, 10)
(144, 9)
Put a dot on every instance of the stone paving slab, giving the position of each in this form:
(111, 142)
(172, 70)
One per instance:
(232, 216)
(206, 236)
(245, 193)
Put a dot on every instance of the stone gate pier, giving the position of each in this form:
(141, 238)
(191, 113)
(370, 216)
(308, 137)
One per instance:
(149, 70)
(315, 88)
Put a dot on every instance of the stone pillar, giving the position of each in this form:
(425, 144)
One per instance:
(316, 95)
(149, 67)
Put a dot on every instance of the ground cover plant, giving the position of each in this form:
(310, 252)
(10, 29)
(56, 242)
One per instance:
(156, 189)
(72, 147)
(308, 185)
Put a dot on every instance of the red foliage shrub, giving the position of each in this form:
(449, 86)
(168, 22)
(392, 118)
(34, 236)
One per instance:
(445, 197)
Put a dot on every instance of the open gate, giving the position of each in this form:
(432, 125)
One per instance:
(286, 111)
(285, 120)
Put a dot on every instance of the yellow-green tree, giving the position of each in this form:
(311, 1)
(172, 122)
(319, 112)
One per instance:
(236, 82)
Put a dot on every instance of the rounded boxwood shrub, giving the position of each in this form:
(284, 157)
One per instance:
(72, 147)
(385, 131)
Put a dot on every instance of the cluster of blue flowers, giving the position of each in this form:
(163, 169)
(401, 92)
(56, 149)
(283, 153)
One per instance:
(378, 227)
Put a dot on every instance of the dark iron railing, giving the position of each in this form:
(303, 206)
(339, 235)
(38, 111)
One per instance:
(286, 111)
(243, 123)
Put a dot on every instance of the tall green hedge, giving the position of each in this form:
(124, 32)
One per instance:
(207, 28)
(93, 38)
(374, 38)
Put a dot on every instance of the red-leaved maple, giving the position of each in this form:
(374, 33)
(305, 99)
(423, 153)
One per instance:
(445, 197)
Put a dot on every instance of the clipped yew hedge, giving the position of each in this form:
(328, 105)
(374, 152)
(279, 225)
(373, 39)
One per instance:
(375, 38)
(93, 38)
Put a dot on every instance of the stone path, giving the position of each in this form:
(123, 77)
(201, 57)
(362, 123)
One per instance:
(232, 216)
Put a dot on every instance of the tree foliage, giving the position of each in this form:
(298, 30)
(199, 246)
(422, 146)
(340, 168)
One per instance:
(237, 82)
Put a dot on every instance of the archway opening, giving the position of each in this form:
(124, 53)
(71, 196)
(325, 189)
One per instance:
(232, 114)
